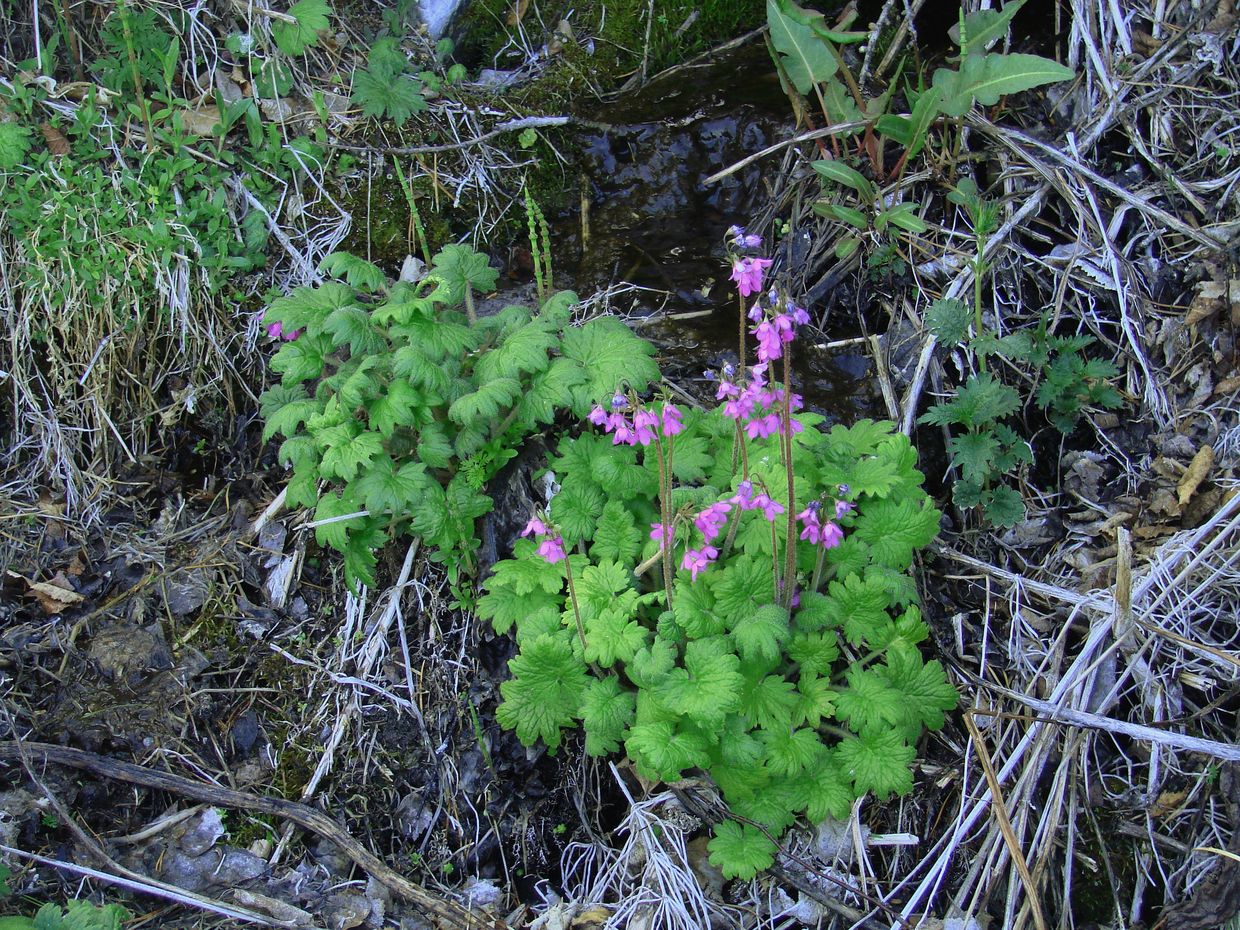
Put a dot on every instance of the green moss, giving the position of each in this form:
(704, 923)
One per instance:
(618, 30)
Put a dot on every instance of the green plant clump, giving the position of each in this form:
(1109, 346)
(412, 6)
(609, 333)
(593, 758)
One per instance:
(77, 915)
(727, 591)
(402, 404)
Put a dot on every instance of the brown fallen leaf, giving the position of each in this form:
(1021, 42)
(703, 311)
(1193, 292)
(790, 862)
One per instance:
(55, 596)
(57, 144)
(1207, 302)
(1167, 804)
(1198, 470)
(517, 13)
(202, 121)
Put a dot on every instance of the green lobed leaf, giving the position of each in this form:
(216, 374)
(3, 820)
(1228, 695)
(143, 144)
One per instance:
(878, 762)
(310, 19)
(739, 850)
(360, 274)
(607, 710)
(545, 692)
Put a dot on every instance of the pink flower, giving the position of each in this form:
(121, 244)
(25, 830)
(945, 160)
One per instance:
(770, 508)
(762, 427)
(643, 420)
(841, 508)
(276, 331)
(658, 531)
(770, 345)
(598, 416)
(710, 522)
(552, 549)
(747, 273)
(535, 526)
(698, 559)
(672, 424)
(743, 497)
(624, 435)
(832, 535)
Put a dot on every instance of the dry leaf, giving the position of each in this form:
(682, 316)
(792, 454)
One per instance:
(517, 13)
(202, 121)
(1198, 470)
(57, 144)
(1167, 803)
(54, 596)
(1227, 386)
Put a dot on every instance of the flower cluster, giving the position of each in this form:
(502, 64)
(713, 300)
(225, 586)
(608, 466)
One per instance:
(551, 546)
(756, 404)
(641, 427)
(711, 521)
(829, 534)
(776, 325)
(747, 271)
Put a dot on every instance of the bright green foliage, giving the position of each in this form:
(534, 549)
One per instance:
(311, 19)
(78, 915)
(392, 396)
(384, 89)
(14, 144)
(728, 679)
(740, 850)
(545, 692)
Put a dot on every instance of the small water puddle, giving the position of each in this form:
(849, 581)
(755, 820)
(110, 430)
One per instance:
(652, 222)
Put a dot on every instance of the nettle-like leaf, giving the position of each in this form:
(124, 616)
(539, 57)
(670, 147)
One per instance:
(336, 515)
(613, 636)
(616, 535)
(1004, 506)
(576, 510)
(815, 701)
(789, 751)
(826, 790)
(360, 273)
(310, 19)
(924, 685)
(14, 144)
(894, 529)
(662, 752)
(814, 653)
(307, 307)
(550, 390)
(878, 762)
(486, 402)
(707, 687)
(740, 850)
(349, 449)
(859, 604)
(545, 692)
(870, 704)
(611, 357)
(522, 353)
(761, 634)
(949, 320)
(974, 454)
(387, 487)
(983, 400)
(285, 409)
(768, 700)
(606, 711)
(401, 404)
(455, 266)
(302, 359)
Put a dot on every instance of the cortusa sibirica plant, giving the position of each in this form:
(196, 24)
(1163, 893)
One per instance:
(728, 591)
